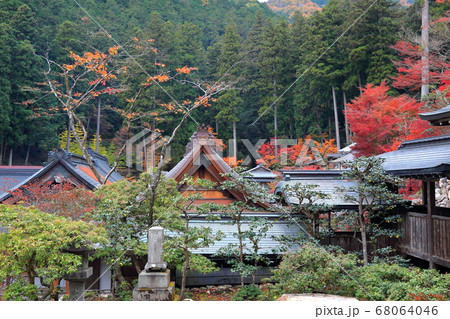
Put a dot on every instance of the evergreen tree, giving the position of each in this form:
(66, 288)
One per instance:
(5, 84)
(275, 74)
(228, 63)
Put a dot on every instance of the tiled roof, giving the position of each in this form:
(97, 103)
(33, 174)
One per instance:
(420, 158)
(261, 173)
(76, 165)
(438, 117)
(326, 180)
(11, 176)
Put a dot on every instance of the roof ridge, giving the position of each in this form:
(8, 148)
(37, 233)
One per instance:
(425, 139)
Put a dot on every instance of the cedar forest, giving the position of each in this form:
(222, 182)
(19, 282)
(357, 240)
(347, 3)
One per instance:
(147, 51)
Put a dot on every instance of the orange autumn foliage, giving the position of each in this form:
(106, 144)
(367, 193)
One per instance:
(299, 155)
(186, 70)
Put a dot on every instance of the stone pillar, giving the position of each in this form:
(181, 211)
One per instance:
(155, 250)
(154, 281)
(77, 280)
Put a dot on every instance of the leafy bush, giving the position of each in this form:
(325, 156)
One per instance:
(268, 293)
(250, 292)
(313, 269)
(393, 282)
(19, 291)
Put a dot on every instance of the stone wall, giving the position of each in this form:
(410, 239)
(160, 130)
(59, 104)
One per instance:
(443, 193)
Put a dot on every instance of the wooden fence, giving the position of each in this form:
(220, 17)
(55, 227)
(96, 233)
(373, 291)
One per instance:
(350, 241)
(415, 241)
(418, 243)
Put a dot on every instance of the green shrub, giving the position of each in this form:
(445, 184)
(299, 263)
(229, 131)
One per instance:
(250, 292)
(19, 291)
(312, 269)
(393, 282)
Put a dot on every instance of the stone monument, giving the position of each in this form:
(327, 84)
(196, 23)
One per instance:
(154, 281)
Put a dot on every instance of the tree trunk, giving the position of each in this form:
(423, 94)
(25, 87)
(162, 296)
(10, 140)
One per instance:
(145, 165)
(1, 149)
(347, 131)
(28, 155)
(275, 129)
(81, 141)
(255, 264)
(68, 136)
(241, 248)
(362, 226)
(233, 162)
(5, 149)
(135, 263)
(336, 119)
(97, 141)
(360, 84)
(426, 50)
(118, 277)
(183, 276)
(10, 156)
(329, 126)
(152, 149)
(275, 119)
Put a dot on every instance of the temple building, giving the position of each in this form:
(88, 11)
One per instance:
(202, 160)
(60, 166)
(426, 226)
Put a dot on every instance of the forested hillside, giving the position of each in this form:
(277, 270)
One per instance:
(240, 42)
(30, 29)
(288, 8)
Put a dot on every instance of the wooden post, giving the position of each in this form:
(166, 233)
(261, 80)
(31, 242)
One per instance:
(424, 193)
(431, 204)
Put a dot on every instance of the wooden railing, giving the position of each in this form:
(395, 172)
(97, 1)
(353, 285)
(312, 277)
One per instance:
(416, 238)
(441, 242)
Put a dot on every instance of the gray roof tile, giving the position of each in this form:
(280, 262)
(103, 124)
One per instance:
(420, 157)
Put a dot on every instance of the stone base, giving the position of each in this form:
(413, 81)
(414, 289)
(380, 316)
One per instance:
(154, 294)
(154, 280)
(76, 290)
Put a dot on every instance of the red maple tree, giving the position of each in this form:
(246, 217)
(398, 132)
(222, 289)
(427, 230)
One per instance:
(381, 122)
(410, 65)
(61, 199)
